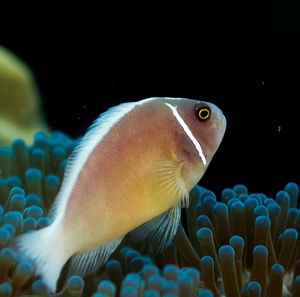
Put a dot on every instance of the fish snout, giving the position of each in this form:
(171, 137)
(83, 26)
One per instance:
(222, 124)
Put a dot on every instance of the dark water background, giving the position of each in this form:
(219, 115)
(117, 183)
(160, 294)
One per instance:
(243, 57)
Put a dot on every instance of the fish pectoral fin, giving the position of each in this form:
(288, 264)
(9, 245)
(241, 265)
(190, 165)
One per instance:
(170, 182)
(168, 185)
(90, 261)
(159, 230)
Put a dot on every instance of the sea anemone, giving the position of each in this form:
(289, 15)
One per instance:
(238, 244)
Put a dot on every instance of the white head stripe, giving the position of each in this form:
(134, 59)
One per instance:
(187, 131)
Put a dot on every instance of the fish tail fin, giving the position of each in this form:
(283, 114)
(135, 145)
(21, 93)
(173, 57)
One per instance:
(43, 250)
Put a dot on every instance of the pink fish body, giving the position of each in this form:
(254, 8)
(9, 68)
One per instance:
(133, 170)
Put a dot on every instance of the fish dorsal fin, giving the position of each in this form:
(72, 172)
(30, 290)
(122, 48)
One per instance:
(160, 230)
(89, 141)
(170, 182)
(90, 261)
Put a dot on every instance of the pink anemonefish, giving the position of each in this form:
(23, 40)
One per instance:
(132, 170)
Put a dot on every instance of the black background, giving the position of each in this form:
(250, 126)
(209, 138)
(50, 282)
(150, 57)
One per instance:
(244, 57)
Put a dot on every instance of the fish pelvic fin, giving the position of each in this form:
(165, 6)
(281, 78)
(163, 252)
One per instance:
(90, 261)
(42, 250)
(160, 231)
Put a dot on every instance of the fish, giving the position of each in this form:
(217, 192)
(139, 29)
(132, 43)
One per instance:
(130, 173)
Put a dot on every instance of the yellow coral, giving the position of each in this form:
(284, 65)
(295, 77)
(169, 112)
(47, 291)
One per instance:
(20, 110)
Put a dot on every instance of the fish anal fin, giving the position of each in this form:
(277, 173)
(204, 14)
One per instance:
(90, 261)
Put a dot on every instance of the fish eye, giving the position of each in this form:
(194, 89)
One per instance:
(202, 112)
